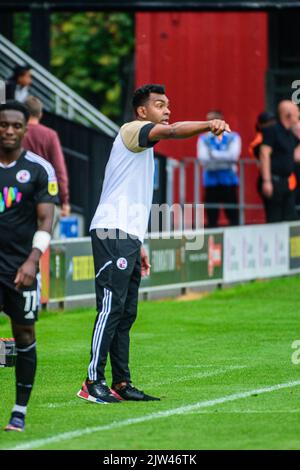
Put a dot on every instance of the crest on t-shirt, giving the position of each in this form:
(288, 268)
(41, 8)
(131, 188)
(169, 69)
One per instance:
(23, 176)
(122, 263)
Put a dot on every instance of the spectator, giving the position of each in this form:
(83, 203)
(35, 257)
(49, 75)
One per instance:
(276, 155)
(220, 179)
(44, 141)
(17, 87)
(296, 174)
(264, 119)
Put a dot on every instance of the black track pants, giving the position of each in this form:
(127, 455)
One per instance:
(118, 274)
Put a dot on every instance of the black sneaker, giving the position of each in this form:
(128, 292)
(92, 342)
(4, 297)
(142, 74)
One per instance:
(129, 392)
(16, 423)
(97, 392)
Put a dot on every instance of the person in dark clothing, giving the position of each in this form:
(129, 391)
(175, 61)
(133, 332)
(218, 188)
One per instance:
(119, 257)
(17, 87)
(28, 191)
(296, 174)
(264, 119)
(276, 155)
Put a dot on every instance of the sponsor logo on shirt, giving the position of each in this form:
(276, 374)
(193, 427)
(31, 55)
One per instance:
(23, 176)
(52, 188)
(8, 196)
(122, 263)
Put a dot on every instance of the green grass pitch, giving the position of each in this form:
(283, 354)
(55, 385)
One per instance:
(188, 353)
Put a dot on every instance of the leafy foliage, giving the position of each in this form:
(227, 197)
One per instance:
(22, 31)
(91, 52)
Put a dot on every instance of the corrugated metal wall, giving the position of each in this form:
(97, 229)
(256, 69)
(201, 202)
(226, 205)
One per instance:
(207, 61)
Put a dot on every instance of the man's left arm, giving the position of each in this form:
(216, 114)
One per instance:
(41, 240)
(185, 129)
(233, 151)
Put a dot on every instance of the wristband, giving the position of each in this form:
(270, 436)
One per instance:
(267, 181)
(41, 240)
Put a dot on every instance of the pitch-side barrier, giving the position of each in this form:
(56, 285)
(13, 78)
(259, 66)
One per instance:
(228, 255)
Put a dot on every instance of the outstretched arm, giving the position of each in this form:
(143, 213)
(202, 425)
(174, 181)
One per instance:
(185, 129)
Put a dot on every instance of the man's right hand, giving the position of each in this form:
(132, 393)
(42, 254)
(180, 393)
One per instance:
(217, 126)
(65, 210)
(26, 274)
(145, 264)
(267, 189)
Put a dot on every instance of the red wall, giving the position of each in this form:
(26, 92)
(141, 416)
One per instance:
(207, 61)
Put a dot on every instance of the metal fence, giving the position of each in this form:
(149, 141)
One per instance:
(181, 167)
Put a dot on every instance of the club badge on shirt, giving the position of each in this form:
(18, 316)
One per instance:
(23, 176)
(122, 263)
(52, 188)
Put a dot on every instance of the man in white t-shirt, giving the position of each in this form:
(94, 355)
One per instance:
(118, 229)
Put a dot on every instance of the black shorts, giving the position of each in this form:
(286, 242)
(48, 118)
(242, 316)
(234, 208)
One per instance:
(20, 305)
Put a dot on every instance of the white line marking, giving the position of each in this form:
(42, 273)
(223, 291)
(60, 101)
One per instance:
(180, 366)
(189, 366)
(61, 404)
(223, 412)
(66, 436)
(199, 375)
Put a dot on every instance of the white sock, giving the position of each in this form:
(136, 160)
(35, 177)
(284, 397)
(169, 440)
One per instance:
(20, 409)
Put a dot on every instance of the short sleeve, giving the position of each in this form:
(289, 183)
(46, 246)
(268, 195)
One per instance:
(268, 136)
(135, 135)
(46, 187)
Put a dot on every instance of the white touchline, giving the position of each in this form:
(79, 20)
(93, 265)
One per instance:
(180, 366)
(141, 419)
(199, 375)
(242, 412)
(62, 404)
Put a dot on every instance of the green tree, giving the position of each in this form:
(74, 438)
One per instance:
(91, 52)
(22, 31)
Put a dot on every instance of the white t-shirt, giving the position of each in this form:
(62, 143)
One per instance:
(21, 93)
(127, 192)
